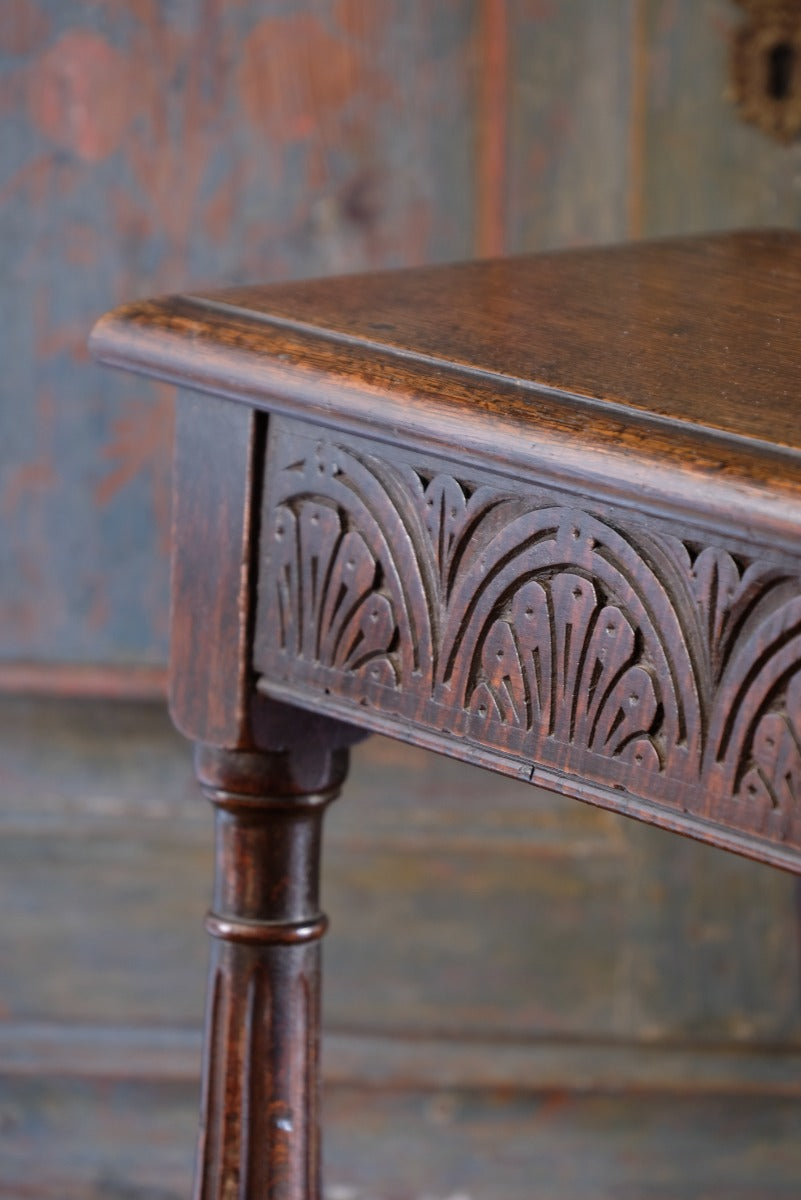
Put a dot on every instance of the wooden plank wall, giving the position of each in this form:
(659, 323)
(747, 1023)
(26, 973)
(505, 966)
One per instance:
(531, 990)
(584, 1000)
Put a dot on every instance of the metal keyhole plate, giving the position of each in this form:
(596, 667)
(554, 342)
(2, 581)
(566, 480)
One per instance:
(766, 67)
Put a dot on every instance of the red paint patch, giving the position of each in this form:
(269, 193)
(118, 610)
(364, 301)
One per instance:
(78, 95)
(23, 27)
(25, 480)
(142, 442)
(219, 217)
(363, 20)
(296, 79)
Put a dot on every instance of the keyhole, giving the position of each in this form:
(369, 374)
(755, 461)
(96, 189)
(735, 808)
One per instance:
(781, 61)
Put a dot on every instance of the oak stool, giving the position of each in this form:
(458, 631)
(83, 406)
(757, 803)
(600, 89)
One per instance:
(542, 514)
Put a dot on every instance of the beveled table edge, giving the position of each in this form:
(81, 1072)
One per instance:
(711, 479)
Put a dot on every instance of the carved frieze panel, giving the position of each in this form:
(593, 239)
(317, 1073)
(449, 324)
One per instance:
(572, 638)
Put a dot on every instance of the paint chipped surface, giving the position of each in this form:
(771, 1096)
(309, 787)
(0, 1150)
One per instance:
(148, 148)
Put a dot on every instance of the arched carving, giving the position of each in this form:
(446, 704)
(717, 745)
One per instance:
(771, 781)
(330, 608)
(340, 553)
(559, 664)
(491, 611)
(755, 735)
(584, 568)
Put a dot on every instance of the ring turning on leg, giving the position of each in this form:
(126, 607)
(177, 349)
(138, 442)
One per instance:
(259, 1135)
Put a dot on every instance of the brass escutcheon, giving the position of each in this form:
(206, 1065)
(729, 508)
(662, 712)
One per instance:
(766, 67)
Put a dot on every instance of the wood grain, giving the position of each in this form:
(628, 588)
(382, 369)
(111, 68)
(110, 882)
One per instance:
(600, 1148)
(563, 632)
(83, 680)
(623, 327)
(259, 1123)
(564, 639)
(215, 472)
(217, 482)
(589, 398)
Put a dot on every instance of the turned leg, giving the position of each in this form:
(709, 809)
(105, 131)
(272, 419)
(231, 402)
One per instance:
(259, 1135)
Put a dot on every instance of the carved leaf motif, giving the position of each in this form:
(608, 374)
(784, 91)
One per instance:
(730, 598)
(715, 579)
(561, 663)
(772, 783)
(356, 622)
(547, 544)
(330, 611)
(537, 629)
(445, 509)
(757, 666)
(372, 500)
(516, 663)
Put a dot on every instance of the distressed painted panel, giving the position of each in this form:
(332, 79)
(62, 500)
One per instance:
(147, 147)
(569, 98)
(534, 916)
(701, 166)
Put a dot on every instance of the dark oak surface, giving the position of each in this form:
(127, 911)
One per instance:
(701, 331)
(602, 438)
(615, 657)
(541, 515)
(704, 331)
(662, 371)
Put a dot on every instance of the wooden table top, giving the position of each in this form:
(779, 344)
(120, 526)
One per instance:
(705, 331)
(542, 515)
(665, 370)
(477, 473)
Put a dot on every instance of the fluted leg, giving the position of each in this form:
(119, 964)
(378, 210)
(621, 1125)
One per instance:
(259, 1136)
